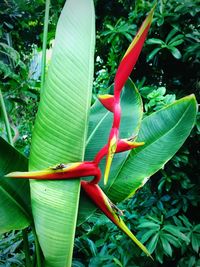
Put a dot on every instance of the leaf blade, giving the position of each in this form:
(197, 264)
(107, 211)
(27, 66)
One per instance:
(140, 166)
(61, 128)
(14, 195)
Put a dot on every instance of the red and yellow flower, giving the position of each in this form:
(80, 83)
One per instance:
(125, 67)
(115, 145)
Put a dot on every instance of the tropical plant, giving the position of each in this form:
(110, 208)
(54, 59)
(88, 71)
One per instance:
(171, 42)
(65, 101)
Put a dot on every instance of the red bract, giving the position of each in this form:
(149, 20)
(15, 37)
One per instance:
(110, 210)
(127, 144)
(114, 145)
(78, 169)
(125, 67)
(62, 172)
(122, 145)
(107, 101)
(131, 56)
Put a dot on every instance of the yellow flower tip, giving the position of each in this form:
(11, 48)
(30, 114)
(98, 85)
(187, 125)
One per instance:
(107, 169)
(13, 174)
(153, 8)
(151, 257)
(131, 142)
(106, 96)
(136, 144)
(111, 151)
(105, 180)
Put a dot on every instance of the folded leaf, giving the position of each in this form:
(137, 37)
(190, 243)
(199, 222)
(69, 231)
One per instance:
(61, 128)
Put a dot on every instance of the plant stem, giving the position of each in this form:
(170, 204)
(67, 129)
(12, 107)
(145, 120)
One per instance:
(26, 248)
(5, 116)
(37, 248)
(44, 44)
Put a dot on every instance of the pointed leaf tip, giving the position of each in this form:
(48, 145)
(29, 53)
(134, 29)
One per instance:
(111, 211)
(131, 56)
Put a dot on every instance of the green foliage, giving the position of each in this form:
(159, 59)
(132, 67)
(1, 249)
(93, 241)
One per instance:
(11, 249)
(121, 29)
(155, 98)
(171, 42)
(165, 235)
(167, 69)
(14, 195)
(175, 26)
(21, 95)
(173, 193)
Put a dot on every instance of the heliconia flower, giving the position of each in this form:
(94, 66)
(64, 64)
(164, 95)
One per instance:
(62, 172)
(127, 144)
(125, 67)
(107, 101)
(112, 146)
(130, 58)
(110, 210)
(78, 169)
(122, 145)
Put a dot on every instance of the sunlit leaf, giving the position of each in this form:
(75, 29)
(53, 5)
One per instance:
(163, 133)
(60, 130)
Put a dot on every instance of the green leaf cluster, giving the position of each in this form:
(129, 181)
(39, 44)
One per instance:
(159, 211)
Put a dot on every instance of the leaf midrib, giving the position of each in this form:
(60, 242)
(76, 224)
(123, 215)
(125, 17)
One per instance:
(87, 110)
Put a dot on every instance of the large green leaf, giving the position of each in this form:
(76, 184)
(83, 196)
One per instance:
(163, 133)
(14, 194)
(61, 129)
(99, 128)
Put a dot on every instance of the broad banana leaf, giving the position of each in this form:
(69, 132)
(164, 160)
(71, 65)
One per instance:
(99, 128)
(61, 129)
(163, 132)
(14, 194)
